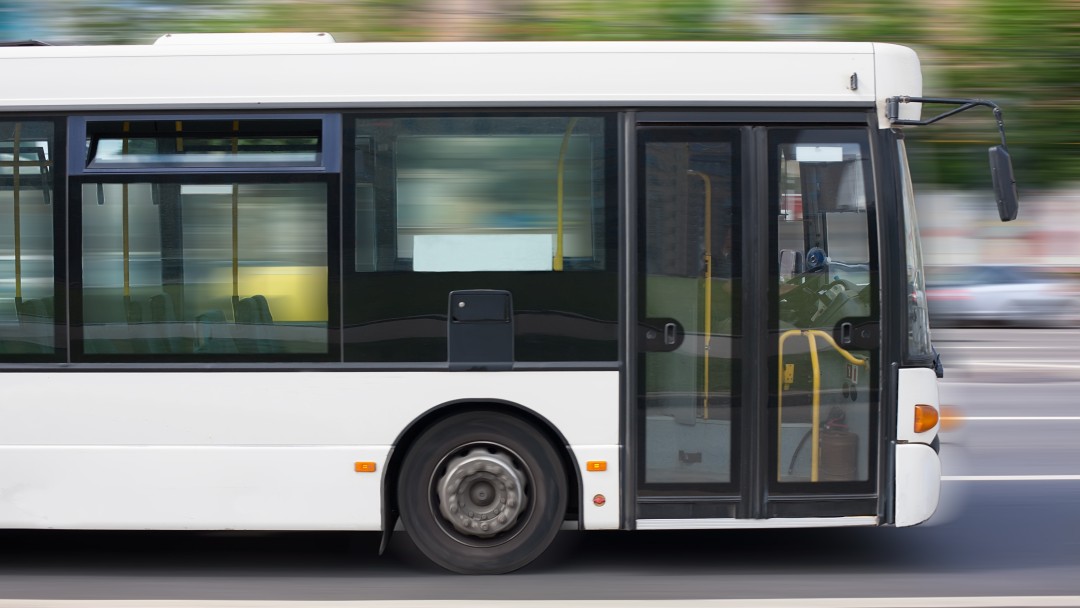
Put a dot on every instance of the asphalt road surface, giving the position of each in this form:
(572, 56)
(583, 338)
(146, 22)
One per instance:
(1009, 527)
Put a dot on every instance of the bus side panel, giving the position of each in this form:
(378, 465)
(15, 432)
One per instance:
(266, 450)
(600, 496)
(189, 488)
(918, 466)
(916, 386)
(918, 483)
(898, 73)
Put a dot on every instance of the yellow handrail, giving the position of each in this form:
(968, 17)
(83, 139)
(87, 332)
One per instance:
(557, 263)
(811, 339)
(708, 284)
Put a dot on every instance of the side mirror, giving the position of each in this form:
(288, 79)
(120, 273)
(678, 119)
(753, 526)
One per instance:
(1001, 172)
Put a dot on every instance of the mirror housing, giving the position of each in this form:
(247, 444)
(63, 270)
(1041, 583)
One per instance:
(1001, 173)
(1001, 169)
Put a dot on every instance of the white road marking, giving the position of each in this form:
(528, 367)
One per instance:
(1010, 478)
(1029, 418)
(1026, 386)
(970, 365)
(1035, 601)
(945, 348)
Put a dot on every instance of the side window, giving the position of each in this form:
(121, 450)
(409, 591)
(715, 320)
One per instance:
(28, 306)
(204, 269)
(480, 194)
(205, 239)
(517, 203)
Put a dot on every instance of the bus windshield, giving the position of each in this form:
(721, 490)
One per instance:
(918, 334)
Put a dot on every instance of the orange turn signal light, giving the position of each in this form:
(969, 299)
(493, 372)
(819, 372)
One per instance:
(596, 465)
(926, 417)
(365, 467)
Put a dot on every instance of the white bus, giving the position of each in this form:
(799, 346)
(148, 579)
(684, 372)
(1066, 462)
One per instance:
(486, 290)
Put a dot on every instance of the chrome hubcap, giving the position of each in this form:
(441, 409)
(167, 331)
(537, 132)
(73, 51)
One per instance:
(482, 493)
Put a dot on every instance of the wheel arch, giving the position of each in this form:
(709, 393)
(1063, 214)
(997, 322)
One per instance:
(440, 412)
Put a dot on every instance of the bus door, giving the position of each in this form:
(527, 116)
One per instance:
(757, 337)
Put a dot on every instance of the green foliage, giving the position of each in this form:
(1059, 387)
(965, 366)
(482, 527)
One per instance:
(1024, 55)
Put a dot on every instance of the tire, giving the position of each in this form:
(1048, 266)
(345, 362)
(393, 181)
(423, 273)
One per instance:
(482, 493)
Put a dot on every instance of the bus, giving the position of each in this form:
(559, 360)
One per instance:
(482, 292)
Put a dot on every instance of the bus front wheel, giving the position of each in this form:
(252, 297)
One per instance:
(482, 493)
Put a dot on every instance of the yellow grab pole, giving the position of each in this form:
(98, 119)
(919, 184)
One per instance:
(780, 400)
(557, 263)
(811, 338)
(852, 359)
(815, 432)
(708, 283)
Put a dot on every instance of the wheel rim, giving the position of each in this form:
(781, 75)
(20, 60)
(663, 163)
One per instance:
(481, 493)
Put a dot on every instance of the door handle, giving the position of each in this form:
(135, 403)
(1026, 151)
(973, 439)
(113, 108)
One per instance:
(845, 333)
(669, 334)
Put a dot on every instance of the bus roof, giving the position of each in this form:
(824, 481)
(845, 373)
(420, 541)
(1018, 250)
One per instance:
(206, 72)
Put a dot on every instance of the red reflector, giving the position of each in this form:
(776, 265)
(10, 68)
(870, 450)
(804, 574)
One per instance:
(599, 500)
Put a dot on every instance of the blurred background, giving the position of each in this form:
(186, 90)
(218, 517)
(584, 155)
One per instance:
(1023, 55)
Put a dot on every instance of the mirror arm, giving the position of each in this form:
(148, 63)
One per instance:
(892, 110)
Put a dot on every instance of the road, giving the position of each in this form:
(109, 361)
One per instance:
(1009, 527)
(1025, 356)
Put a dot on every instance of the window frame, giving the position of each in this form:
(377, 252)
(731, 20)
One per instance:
(328, 172)
(58, 196)
(825, 134)
(329, 155)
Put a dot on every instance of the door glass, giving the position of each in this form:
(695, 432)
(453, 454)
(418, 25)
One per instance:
(688, 307)
(825, 317)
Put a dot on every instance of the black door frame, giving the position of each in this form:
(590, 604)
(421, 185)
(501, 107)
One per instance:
(756, 380)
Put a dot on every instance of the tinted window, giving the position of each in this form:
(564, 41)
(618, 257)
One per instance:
(28, 307)
(517, 203)
(203, 143)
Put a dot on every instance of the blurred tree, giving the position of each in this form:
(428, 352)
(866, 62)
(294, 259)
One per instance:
(1026, 56)
(1023, 55)
(143, 21)
(619, 20)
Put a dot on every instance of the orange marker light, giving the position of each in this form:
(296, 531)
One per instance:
(926, 418)
(596, 465)
(365, 467)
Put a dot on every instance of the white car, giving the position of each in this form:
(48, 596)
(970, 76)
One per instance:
(1001, 294)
